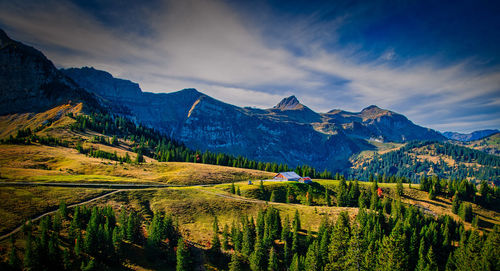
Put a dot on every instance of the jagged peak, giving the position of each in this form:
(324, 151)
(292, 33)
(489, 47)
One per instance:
(289, 103)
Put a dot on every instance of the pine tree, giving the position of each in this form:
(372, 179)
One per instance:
(238, 192)
(296, 264)
(183, 256)
(215, 248)
(225, 237)
(431, 259)
(399, 188)
(63, 209)
(339, 243)
(29, 261)
(285, 230)
(432, 194)
(233, 188)
(235, 264)
(490, 256)
(342, 194)
(392, 254)
(311, 262)
(455, 204)
(258, 258)
(374, 202)
(273, 197)
(262, 190)
(355, 252)
(13, 259)
(328, 200)
(289, 195)
(273, 264)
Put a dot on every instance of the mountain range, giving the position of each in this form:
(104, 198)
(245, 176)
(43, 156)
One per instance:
(476, 135)
(290, 132)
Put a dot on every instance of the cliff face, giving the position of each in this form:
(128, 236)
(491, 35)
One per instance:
(29, 82)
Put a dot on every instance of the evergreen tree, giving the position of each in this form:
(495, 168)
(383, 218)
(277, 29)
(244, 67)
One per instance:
(490, 256)
(289, 195)
(225, 237)
(285, 231)
(465, 211)
(63, 209)
(262, 191)
(235, 264)
(238, 192)
(339, 243)
(13, 259)
(273, 264)
(233, 188)
(311, 262)
(399, 188)
(29, 261)
(355, 252)
(257, 259)
(273, 197)
(183, 256)
(455, 204)
(431, 259)
(296, 264)
(328, 200)
(392, 253)
(342, 194)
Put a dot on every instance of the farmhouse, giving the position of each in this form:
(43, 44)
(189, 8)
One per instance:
(291, 176)
(287, 176)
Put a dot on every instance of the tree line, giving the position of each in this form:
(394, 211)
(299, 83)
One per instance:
(97, 239)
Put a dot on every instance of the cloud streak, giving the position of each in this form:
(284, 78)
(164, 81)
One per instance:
(246, 59)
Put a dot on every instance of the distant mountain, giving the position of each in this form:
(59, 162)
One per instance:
(471, 136)
(489, 144)
(29, 82)
(288, 133)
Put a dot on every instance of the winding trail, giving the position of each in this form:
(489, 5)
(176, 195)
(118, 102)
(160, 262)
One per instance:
(3, 237)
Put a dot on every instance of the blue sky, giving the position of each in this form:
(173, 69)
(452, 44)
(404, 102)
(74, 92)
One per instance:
(437, 62)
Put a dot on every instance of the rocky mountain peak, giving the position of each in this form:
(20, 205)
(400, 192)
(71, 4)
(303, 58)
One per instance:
(289, 103)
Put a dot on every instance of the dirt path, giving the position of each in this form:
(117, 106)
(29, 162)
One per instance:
(51, 212)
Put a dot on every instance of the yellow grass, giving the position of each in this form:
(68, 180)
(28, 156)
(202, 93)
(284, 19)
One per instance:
(22, 203)
(58, 164)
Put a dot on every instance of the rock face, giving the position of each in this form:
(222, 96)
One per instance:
(29, 82)
(471, 136)
(379, 124)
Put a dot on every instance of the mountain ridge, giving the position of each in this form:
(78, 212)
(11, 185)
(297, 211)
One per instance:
(476, 135)
(290, 133)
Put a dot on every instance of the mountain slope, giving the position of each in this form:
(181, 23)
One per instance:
(30, 82)
(429, 158)
(489, 144)
(476, 135)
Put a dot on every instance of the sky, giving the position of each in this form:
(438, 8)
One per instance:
(436, 62)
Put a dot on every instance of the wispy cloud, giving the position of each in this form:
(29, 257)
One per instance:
(251, 59)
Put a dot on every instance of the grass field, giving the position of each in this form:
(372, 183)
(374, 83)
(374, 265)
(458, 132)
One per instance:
(59, 164)
(21, 203)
